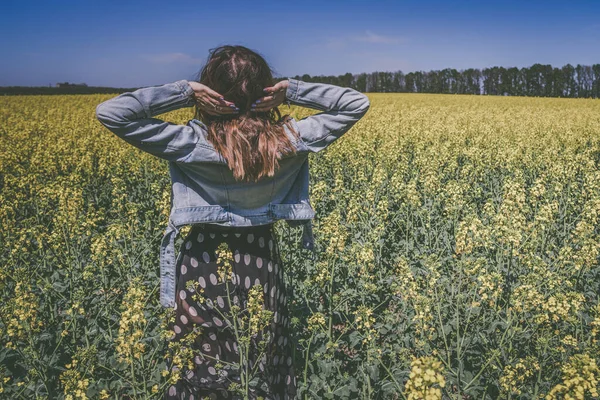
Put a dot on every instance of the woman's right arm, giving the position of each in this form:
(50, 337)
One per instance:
(342, 107)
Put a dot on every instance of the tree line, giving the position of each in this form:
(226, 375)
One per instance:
(64, 89)
(537, 80)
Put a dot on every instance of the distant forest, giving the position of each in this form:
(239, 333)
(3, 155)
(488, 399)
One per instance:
(537, 80)
(65, 89)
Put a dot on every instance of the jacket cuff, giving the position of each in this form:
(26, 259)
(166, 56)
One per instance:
(161, 99)
(292, 89)
(186, 88)
(186, 92)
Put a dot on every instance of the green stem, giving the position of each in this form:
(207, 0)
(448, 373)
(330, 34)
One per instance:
(235, 328)
(491, 358)
(331, 300)
(398, 386)
(134, 380)
(437, 302)
(306, 360)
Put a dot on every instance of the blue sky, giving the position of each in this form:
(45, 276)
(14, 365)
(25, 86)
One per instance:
(142, 43)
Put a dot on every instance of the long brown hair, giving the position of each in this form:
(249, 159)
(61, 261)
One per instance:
(251, 142)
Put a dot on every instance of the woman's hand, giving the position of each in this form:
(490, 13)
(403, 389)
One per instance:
(210, 101)
(276, 96)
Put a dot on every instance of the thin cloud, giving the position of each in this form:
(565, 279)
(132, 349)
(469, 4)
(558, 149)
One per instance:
(336, 43)
(371, 37)
(367, 37)
(170, 58)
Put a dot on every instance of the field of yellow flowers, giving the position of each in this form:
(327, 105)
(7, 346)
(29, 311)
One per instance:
(458, 242)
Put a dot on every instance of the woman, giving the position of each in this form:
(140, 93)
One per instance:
(236, 168)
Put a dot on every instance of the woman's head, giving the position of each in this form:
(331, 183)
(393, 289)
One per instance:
(238, 74)
(250, 141)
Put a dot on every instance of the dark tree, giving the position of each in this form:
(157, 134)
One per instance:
(570, 85)
(596, 81)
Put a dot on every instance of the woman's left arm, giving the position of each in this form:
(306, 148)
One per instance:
(130, 116)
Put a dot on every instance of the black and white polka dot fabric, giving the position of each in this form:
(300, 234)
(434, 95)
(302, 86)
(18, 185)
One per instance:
(256, 260)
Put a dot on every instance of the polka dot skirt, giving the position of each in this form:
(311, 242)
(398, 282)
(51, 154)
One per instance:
(203, 303)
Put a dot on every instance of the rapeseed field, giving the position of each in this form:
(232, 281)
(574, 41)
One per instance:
(458, 254)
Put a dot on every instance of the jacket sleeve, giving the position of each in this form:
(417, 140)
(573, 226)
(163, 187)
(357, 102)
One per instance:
(342, 107)
(129, 116)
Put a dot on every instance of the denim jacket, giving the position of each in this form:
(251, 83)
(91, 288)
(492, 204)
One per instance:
(203, 187)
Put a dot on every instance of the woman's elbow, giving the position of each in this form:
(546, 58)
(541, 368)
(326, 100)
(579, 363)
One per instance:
(366, 105)
(102, 113)
(109, 115)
